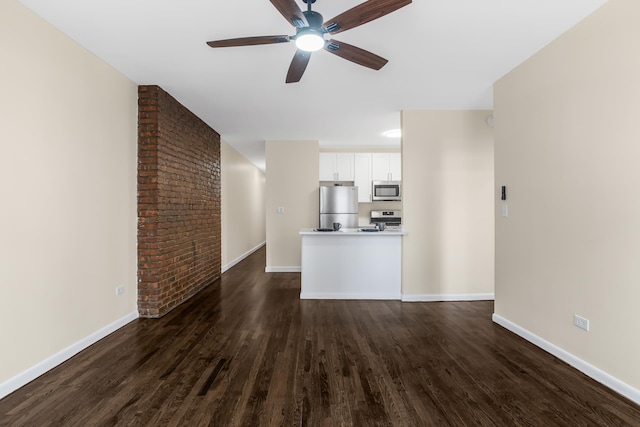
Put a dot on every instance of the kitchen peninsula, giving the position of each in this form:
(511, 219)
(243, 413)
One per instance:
(351, 264)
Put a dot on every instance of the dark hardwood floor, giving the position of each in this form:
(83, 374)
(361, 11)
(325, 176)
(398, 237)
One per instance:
(246, 351)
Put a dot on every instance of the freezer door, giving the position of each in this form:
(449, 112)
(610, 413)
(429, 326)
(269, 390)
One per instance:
(338, 199)
(347, 220)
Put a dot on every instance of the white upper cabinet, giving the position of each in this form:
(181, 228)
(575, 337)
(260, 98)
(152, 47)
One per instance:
(327, 166)
(336, 167)
(380, 167)
(395, 167)
(386, 167)
(362, 179)
(344, 166)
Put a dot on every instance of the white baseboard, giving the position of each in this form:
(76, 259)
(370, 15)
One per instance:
(359, 296)
(597, 374)
(446, 297)
(34, 372)
(241, 257)
(283, 269)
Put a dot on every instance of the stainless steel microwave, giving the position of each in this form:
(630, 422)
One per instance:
(386, 190)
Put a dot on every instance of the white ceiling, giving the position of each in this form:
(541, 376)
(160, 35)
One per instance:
(443, 54)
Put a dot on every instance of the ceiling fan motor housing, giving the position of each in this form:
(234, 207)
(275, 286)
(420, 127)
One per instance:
(314, 19)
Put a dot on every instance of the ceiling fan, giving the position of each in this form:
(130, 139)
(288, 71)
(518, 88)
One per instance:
(310, 31)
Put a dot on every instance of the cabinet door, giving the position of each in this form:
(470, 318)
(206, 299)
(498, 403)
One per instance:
(344, 166)
(362, 176)
(327, 170)
(395, 166)
(380, 167)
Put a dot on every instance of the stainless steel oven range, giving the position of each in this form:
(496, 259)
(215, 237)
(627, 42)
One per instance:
(391, 218)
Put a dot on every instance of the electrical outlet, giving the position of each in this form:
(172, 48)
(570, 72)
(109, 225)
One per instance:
(280, 210)
(119, 290)
(581, 322)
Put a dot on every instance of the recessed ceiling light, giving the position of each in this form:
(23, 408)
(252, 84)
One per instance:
(394, 133)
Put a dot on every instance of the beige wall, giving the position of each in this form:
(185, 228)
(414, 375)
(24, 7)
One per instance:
(243, 206)
(568, 150)
(292, 183)
(68, 188)
(447, 172)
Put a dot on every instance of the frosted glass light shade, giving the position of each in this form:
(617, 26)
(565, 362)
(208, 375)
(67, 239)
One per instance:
(309, 41)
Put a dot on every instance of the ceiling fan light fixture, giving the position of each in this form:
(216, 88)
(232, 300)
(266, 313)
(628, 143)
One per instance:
(309, 40)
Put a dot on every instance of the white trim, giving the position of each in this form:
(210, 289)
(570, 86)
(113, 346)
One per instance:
(12, 384)
(597, 374)
(360, 296)
(446, 297)
(282, 269)
(241, 257)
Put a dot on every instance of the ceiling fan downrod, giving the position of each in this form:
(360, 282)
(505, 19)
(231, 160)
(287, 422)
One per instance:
(314, 19)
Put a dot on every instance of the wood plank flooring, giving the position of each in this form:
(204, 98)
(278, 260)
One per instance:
(247, 352)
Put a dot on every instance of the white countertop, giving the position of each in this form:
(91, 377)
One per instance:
(353, 232)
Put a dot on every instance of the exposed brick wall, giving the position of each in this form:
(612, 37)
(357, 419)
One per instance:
(179, 235)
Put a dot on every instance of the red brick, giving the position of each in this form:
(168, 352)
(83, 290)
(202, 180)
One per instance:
(178, 203)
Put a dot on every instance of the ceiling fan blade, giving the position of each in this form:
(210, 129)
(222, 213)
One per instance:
(363, 13)
(355, 54)
(298, 65)
(249, 41)
(291, 12)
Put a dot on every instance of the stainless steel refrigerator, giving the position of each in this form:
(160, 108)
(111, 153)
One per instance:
(339, 204)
